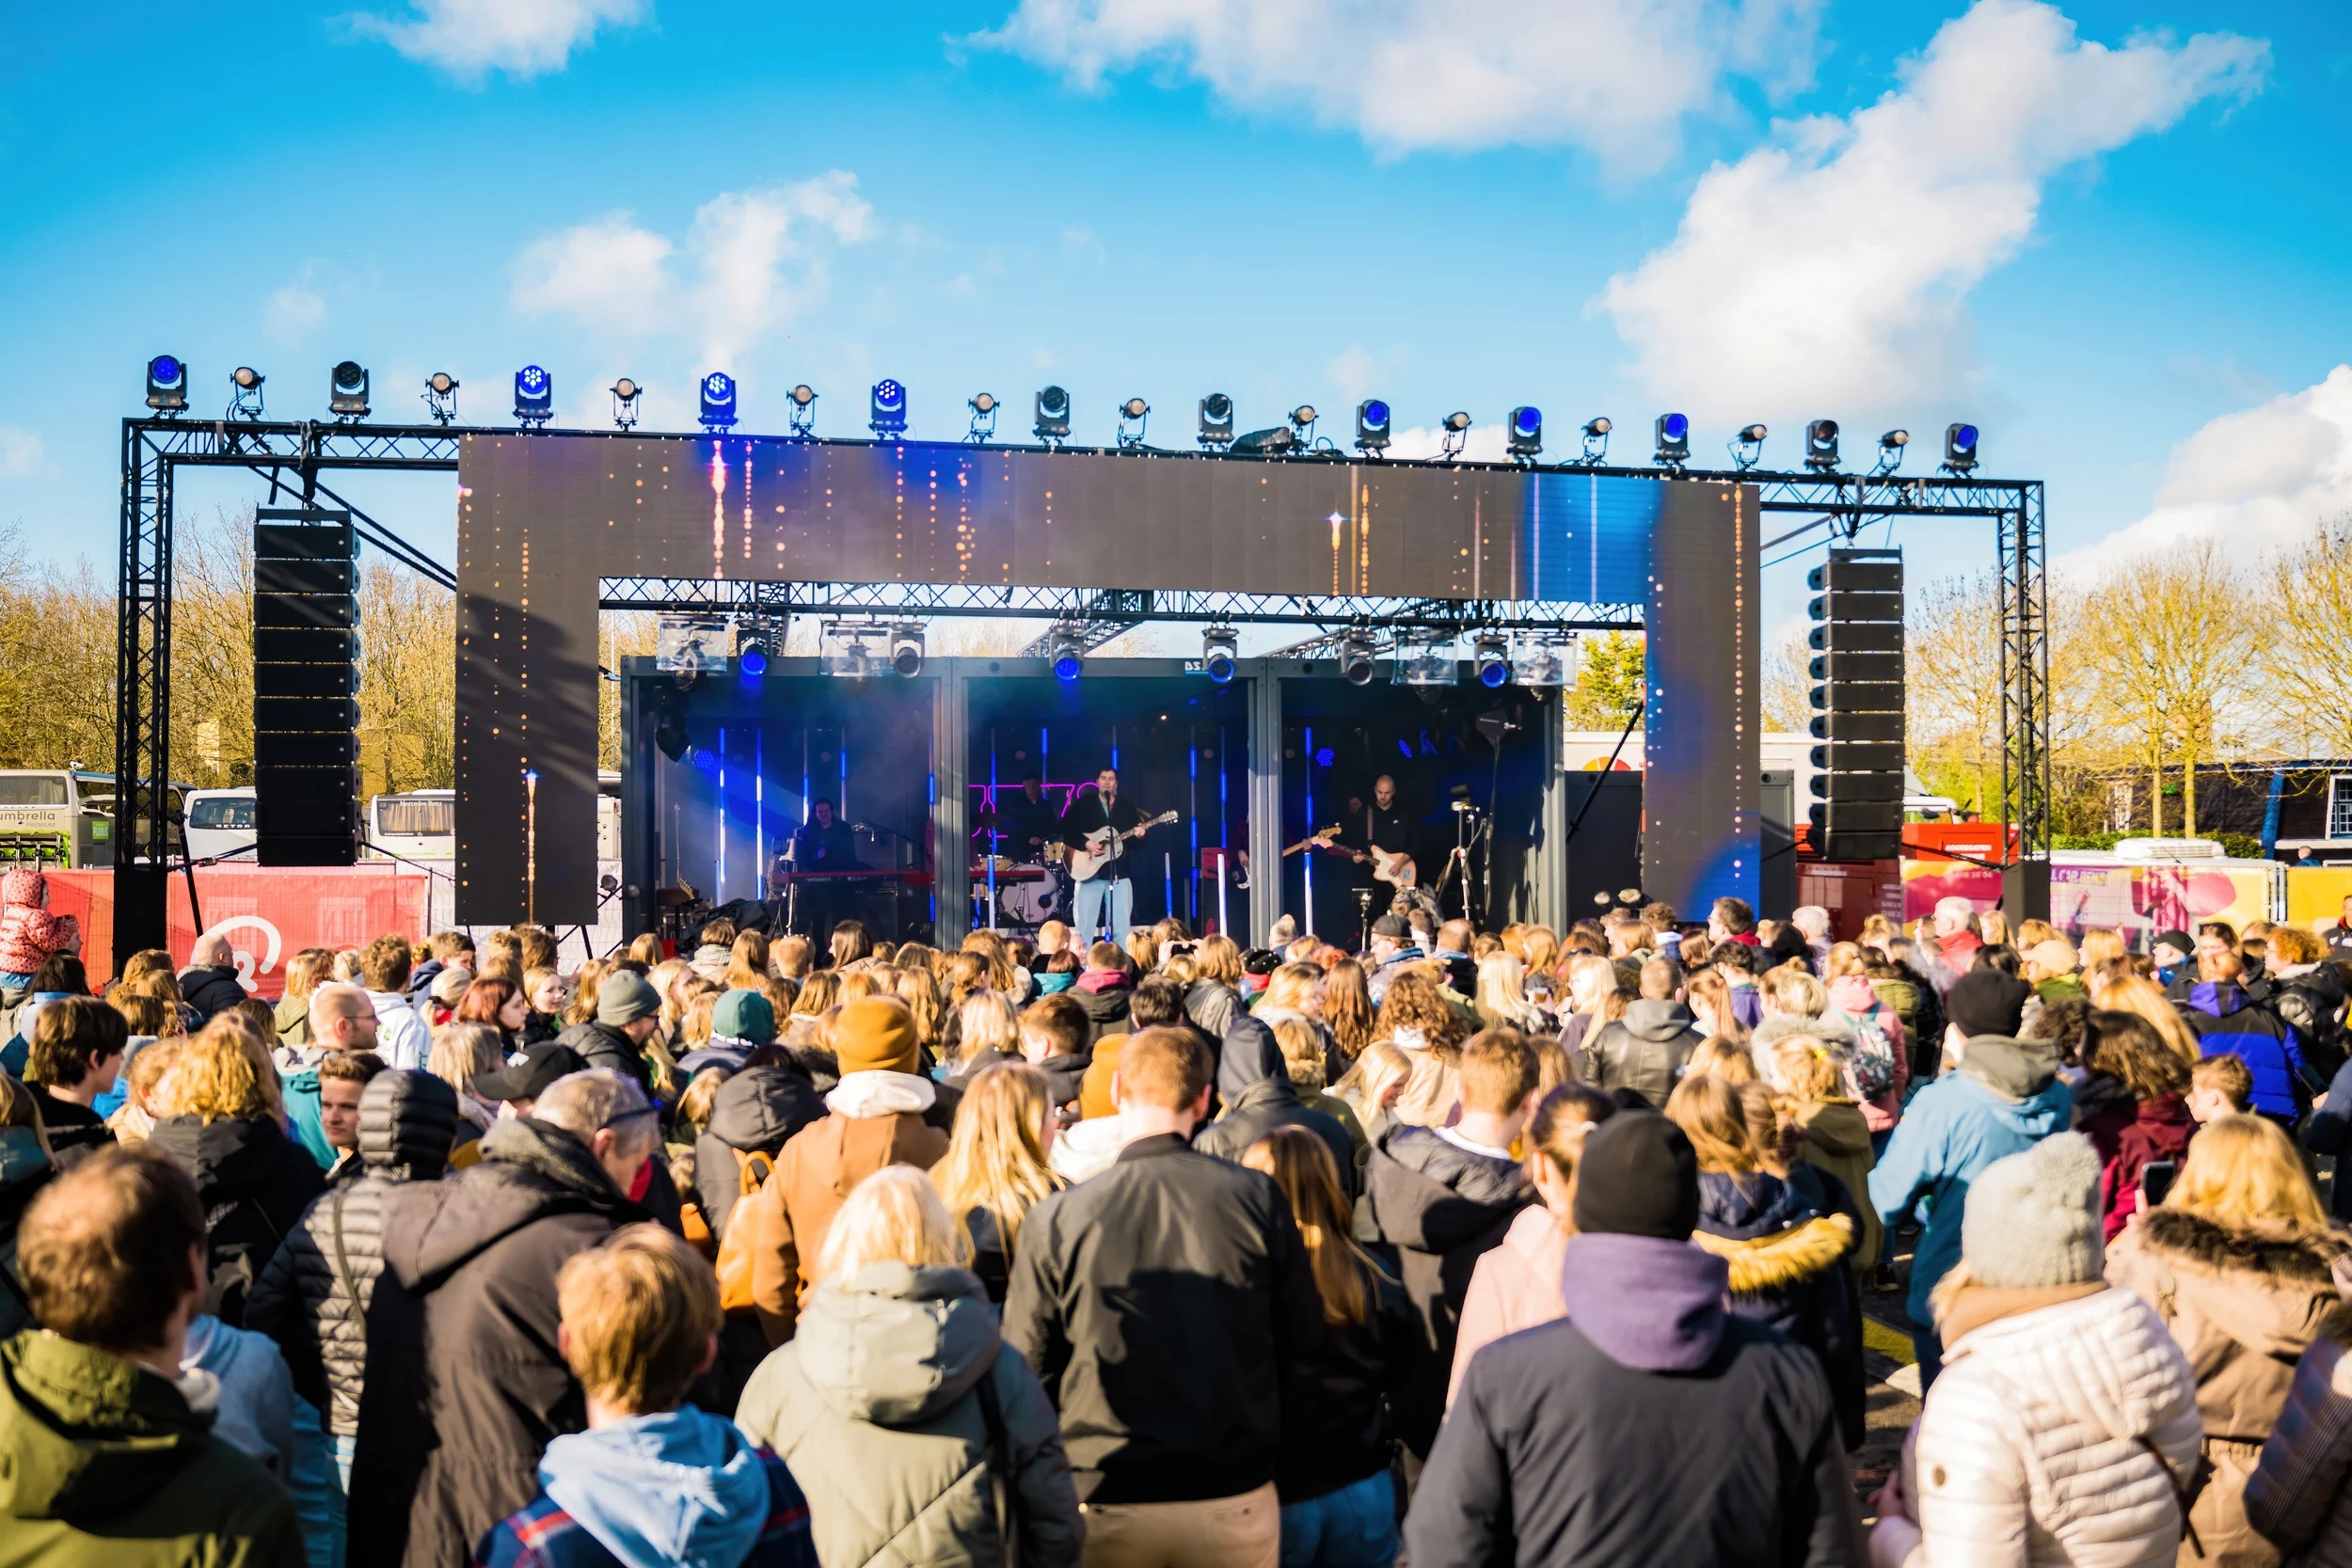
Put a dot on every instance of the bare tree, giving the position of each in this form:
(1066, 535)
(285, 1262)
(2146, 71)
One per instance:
(2173, 638)
(2310, 615)
(1952, 657)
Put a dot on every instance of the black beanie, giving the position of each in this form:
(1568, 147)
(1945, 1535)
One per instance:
(1636, 1176)
(1987, 1002)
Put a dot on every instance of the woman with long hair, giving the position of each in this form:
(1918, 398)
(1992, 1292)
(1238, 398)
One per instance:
(2145, 999)
(1416, 1017)
(920, 992)
(1339, 1505)
(2238, 1261)
(1592, 981)
(1502, 995)
(987, 1032)
(1212, 999)
(1711, 1010)
(583, 1007)
(500, 1003)
(1003, 974)
(2154, 1122)
(305, 973)
(995, 1170)
(1372, 1084)
(819, 994)
(1347, 1007)
(747, 962)
(461, 1051)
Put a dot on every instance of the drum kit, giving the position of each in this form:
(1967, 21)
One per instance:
(1028, 892)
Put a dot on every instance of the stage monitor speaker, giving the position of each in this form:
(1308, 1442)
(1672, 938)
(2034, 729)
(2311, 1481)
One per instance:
(1859, 708)
(1777, 887)
(306, 688)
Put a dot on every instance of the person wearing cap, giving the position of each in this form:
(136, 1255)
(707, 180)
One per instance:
(629, 1010)
(1651, 1424)
(1392, 947)
(2174, 953)
(2004, 1097)
(2053, 969)
(2064, 1429)
(874, 1116)
(740, 1023)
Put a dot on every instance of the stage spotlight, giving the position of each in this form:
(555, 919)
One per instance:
(1053, 415)
(1068, 657)
(245, 396)
(1960, 448)
(1216, 421)
(1452, 433)
(1356, 659)
(1747, 448)
(1674, 440)
(1821, 445)
(625, 396)
(440, 396)
(1303, 423)
(718, 402)
(1372, 427)
(1217, 647)
(984, 407)
(802, 413)
(1131, 416)
(751, 657)
(1596, 438)
(1891, 447)
(1492, 654)
(166, 384)
(1526, 437)
(347, 391)
(535, 397)
(669, 732)
(889, 406)
(906, 649)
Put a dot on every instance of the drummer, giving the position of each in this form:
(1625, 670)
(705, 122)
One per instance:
(1030, 821)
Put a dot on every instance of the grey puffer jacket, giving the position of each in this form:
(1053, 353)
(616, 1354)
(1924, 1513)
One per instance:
(305, 1300)
(876, 1404)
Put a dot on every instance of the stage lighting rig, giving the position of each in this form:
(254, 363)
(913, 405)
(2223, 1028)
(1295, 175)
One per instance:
(1266, 443)
(440, 396)
(1747, 448)
(1891, 447)
(244, 392)
(718, 402)
(888, 408)
(802, 413)
(1218, 647)
(1452, 433)
(751, 656)
(1526, 435)
(626, 395)
(984, 406)
(1303, 426)
(1068, 655)
(1356, 659)
(1960, 448)
(1673, 433)
(1053, 415)
(1217, 422)
(168, 385)
(1821, 445)
(535, 397)
(1131, 415)
(906, 648)
(1490, 654)
(1597, 430)
(1372, 427)
(347, 391)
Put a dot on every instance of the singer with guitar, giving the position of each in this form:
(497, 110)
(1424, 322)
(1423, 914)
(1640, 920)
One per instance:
(1099, 828)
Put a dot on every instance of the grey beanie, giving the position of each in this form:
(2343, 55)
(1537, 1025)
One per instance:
(624, 997)
(2033, 1218)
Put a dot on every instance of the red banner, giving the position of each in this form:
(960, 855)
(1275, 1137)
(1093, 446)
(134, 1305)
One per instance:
(267, 913)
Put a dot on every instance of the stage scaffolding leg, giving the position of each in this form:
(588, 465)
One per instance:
(1266, 803)
(951, 880)
(1549, 866)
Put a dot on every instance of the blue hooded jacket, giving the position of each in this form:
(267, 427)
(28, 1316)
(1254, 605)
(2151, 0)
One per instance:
(2005, 1096)
(2227, 1017)
(683, 1487)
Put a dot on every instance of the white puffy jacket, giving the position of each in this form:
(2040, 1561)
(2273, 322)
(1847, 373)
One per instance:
(2030, 1448)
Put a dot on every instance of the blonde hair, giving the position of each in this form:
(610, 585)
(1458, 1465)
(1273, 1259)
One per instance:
(920, 992)
(990, 946)
(2241, 1167)
(462, 1050)
(1711, 987)
(1845, 957)
(996, 1158)
(893, 1216)
(221, 1075)
(2098, 945)
(1432, 1089)
(640, 1315)
(986, 1021)
(694, 1105)
(1302, 1052)
(1711, 1115)
(2292, 945)
(819, 994)
(1502, 994)
(1303, 1167)
(1591, 979)
(1993, 928)
(1721, 1057)
(1792, 990)
(306, 969)
(1216, 958)
(1378, 1068)
(2133, 993)
(1806, 1070)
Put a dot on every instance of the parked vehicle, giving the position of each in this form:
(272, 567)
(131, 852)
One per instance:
(220, 822)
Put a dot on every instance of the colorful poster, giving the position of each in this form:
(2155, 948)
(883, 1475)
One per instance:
(2139, 900)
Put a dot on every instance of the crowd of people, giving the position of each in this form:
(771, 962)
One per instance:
(1525, 1245)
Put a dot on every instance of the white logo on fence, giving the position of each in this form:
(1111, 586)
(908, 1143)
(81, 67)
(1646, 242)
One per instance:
(247, 967)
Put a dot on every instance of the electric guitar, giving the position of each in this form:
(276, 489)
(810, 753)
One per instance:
(1319, 840)
(1396, 869)
(1106, 845)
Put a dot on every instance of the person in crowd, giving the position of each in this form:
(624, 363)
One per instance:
(1337, 1500)
(2054, 970)
(1647, 1050)
(461, 1053)
(1879, 1072)
(1811, 921)
(439, 952)
(1452, 951)
(499, 1002)
(1395, 944)
(2221, 1086)
(2155, 1124)
(629, 1013)
(1515, 1283)
(875, 1116)
(2174, 954)
(1502, 996)
(1254, 1086)
(516, 1086)
(1307, 1060)
(1828, 1129)
(651, 1479)
(341, 1019)
(76, 1053)
(987, 1032)
(997, 1167)
(107, 1452)
(753, 1113)
(1649, 1424)
(1212, 999)
(1167, 1306)
(1056, 973)
(2226, 1015)
(404, 1039)
(28, 932)
(2297, 1499)
(305, 973)
(1347, 1009)
(714, 950)
(210, 984)
(1103, 990)
(2309, 993)
(547, 996)
(741, 1021)
(438, 1003)
(25, 1169)
(2064, 1428)
(142, 1083)
(1415, 1013)
(343, 1080)
(1057, 1039)
(1439, 1197)
(464, 1389)
(2238, 1262)
(2005, 1095)
(1786, 1258)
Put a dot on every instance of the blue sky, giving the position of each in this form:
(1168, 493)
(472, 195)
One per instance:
(2096, 229)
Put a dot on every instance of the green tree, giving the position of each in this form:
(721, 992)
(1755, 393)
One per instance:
(1609, 682)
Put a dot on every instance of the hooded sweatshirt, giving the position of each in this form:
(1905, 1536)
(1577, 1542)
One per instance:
(1255, 1086)
(28, 932)
(680, 1487)
(1645, 1050)
(753, 1113)
(2227, 1017)
(2005, 1096)
(1784, 1260)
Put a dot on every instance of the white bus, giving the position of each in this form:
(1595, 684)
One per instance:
(422, 824)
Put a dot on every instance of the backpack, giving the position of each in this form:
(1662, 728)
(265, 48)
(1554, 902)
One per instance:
(735, 1246)
(1871, 1071)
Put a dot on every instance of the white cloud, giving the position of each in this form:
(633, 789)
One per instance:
(2256, 478)
(1830, 268)
(1085, 242)
(751, 259)
(469, 38)
(1351, 372)
(1612, 75)
(1482, 443)
(21, 452)
(293, 310)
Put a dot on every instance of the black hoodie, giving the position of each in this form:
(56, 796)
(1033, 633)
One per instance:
(754, 1111)
(254, 1183)
(1255, 1087)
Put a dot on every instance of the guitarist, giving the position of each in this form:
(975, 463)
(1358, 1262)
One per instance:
(1107, 896)
(1382, 820)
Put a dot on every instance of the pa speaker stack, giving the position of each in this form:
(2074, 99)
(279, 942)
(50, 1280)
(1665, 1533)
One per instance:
(1857, 644)
(306, 688)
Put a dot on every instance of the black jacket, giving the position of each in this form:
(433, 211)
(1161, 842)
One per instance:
(2309, 1002)
(1645, 1050)
(211, 990)
(313, 1297)
(1437, 1208)
(602, 1045)
(1066, 1075)
(1340, 1429)
(1256, 1088)
(465, 1388)
(1106, 1009)
(254, 1183)
(75, 1131)
(1167, 1304)
(754, 1112)
(1788, 1268)
(1211, 1006)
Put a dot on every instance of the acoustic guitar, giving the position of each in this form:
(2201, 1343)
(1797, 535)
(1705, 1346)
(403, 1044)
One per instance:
(1105, 846)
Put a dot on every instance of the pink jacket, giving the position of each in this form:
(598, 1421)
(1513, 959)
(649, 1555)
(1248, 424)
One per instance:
(1851, 994)
(1516, 1285)
(28, 932)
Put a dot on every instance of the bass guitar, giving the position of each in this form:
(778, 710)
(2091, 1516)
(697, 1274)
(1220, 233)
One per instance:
(1105, 846)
